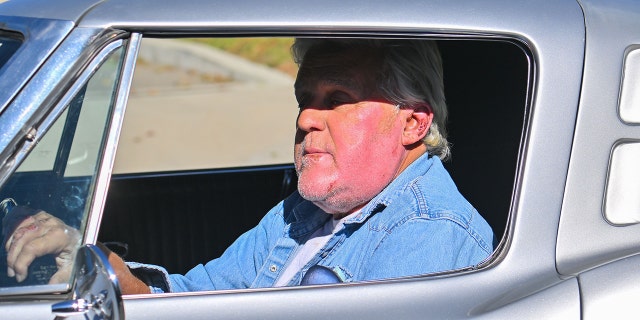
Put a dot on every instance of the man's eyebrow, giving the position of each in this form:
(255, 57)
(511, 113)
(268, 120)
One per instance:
(349, 83)
(339, 77)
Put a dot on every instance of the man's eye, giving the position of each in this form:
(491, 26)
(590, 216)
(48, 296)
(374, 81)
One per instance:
(335, 102)
(338, 99)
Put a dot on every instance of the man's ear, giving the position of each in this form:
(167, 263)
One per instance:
(418, 121)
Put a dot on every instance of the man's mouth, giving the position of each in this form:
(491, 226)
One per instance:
(314, 155)
(313, 151)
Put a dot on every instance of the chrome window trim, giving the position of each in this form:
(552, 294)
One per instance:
(117, 117)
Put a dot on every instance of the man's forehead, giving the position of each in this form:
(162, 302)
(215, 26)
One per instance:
(329, 76)
(345, 68)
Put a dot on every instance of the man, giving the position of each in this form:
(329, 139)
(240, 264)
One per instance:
(373, 199)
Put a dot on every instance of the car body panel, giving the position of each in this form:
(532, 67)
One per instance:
(282, 16)
(402, 299)
(586, 238)
(611, 291)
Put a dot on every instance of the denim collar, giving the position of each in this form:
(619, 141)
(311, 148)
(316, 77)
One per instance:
(416, 169)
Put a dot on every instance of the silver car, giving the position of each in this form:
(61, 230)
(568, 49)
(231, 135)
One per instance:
(144, 125)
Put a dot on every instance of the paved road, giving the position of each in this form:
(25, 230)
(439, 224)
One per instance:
(185, 96)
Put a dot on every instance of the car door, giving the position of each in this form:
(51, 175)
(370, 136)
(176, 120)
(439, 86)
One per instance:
(521, 280)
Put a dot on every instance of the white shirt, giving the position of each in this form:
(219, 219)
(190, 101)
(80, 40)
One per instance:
(310, 248)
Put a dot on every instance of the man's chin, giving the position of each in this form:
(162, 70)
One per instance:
(312, 195)
(326, 201)
(315, 185)
(316, 195)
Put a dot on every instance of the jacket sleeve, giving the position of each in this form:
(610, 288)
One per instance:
(234, 269)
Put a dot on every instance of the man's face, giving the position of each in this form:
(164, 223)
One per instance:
(348, 141)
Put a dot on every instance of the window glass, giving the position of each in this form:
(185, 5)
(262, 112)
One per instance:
(83, 135)
(58, 174)
(8, 46)
(43, 155)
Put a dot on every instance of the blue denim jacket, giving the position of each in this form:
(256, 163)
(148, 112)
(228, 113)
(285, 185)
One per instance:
(418, 224)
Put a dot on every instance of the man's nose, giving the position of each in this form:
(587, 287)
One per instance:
(311, 119)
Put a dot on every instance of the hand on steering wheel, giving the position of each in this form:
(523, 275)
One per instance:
(38, 235)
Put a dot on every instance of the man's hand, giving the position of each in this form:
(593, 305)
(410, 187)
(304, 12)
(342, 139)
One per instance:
(42, 234)
(39, 235)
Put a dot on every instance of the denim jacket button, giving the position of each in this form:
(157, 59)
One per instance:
(273, 268)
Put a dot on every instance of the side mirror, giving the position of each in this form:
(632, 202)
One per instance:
(96, 292)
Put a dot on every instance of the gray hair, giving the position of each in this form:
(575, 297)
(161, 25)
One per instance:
(410, 74)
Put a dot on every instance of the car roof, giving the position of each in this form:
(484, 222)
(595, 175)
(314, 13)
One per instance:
(281, 15)
(71, 10)
(328, 15)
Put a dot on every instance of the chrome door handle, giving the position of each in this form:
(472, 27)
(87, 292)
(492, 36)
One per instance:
(81, 306)
(71, 307)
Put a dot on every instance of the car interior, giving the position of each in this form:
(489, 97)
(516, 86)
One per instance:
(178, 219)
